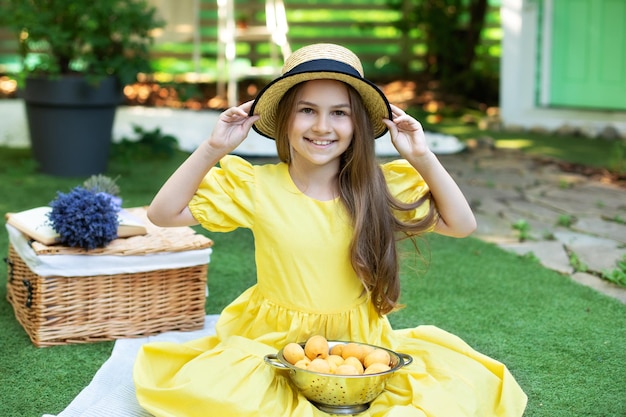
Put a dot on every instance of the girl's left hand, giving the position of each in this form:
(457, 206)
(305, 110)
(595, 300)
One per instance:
(407, 134)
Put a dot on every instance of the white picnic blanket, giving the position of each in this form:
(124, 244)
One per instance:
(111, 392)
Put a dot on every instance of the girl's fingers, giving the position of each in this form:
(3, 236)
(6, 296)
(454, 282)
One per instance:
(236, 113)
(390, 125)
(398, 114)
(407, 123)
(395, 109)
(246, 106)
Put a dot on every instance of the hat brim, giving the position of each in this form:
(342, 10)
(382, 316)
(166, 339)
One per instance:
(266, 103)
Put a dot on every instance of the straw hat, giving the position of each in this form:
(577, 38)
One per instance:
(314, 62)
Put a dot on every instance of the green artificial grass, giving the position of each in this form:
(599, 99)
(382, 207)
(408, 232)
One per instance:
(563, 342)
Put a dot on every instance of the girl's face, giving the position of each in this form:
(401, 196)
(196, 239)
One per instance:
(321, 126)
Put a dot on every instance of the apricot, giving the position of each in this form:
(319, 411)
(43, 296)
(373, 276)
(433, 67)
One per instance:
(337, 349)
(293, 352)
(376, 368)
(346, 370)
(316, 347)
(366, 350)
(319, 365)
(302, 363)
(351, 349)
(354, 362)
(336, 359)
(377, 356)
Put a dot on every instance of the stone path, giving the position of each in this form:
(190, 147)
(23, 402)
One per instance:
(571, 223)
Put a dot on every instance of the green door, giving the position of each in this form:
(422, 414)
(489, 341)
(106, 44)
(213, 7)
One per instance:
(588, 54)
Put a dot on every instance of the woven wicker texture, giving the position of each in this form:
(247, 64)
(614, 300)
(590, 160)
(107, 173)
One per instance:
(158, 239)
(61, 310)
(322, 50)
(58, 310)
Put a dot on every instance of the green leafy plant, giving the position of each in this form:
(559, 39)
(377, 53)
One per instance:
(147, 144)
(617, 275)
(451, 31)
(523, 229)
(530, 256)
(618, 156)
(564, 184)
(576, 263)
(97, 39)
(565, 220)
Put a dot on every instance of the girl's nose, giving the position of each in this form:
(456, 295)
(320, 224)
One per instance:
(322, 124)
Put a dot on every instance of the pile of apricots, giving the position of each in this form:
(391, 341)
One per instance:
(342, 359)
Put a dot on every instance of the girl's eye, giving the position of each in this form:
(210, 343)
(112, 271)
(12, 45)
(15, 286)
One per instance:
(340, 113)
(306, 110)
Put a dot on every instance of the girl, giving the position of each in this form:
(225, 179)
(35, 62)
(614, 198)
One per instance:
(325, 222)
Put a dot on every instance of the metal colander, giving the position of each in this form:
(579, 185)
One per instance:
(339, 394)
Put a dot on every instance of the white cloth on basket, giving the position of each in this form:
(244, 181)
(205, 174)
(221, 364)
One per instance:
(111, 392)
(87, 265)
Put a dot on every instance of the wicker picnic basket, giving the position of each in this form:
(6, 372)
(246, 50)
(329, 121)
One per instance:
(56, 310)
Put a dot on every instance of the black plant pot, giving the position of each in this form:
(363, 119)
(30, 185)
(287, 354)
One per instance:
(71, 123)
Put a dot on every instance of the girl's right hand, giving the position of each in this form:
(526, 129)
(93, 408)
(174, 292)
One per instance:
(170, 207)
(232, 128)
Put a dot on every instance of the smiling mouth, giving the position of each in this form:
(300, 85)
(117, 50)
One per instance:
(320, 142)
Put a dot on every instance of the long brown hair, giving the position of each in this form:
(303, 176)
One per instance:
(364, 192)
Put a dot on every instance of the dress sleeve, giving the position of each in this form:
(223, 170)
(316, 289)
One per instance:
(407, 185)
(224, 200)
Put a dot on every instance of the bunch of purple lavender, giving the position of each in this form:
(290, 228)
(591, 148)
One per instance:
(86, 217)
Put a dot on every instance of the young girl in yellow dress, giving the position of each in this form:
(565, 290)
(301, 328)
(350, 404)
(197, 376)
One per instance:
(325, 222)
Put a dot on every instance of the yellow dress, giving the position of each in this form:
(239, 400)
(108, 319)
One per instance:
(306, 286)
